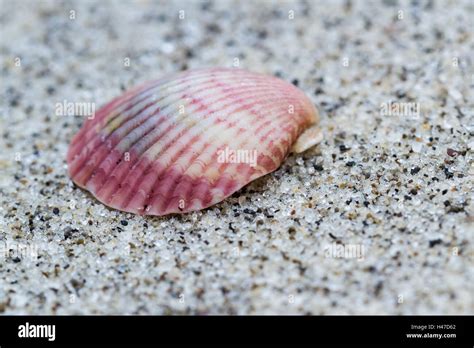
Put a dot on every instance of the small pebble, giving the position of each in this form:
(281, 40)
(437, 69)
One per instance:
(452, 153)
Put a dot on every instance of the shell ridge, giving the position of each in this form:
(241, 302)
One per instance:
(159, 137)
(110, 137)
(118, 113)
(91, 143)
(137, 155)
(112, 113)
(150, 92)
(216, 132)
(221, 167)
(211, 137)
(211, 113)
(115, 103)
(128, 118)
(159, 84)
(105, 155)
(110, 172)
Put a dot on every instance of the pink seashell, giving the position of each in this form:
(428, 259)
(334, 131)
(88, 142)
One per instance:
(188, 141)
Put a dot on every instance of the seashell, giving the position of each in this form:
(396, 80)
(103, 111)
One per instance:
(189, 140)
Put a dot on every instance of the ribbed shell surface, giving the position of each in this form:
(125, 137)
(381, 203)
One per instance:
(167, 145)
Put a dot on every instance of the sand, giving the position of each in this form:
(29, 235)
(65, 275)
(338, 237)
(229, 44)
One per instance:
(378, 219)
